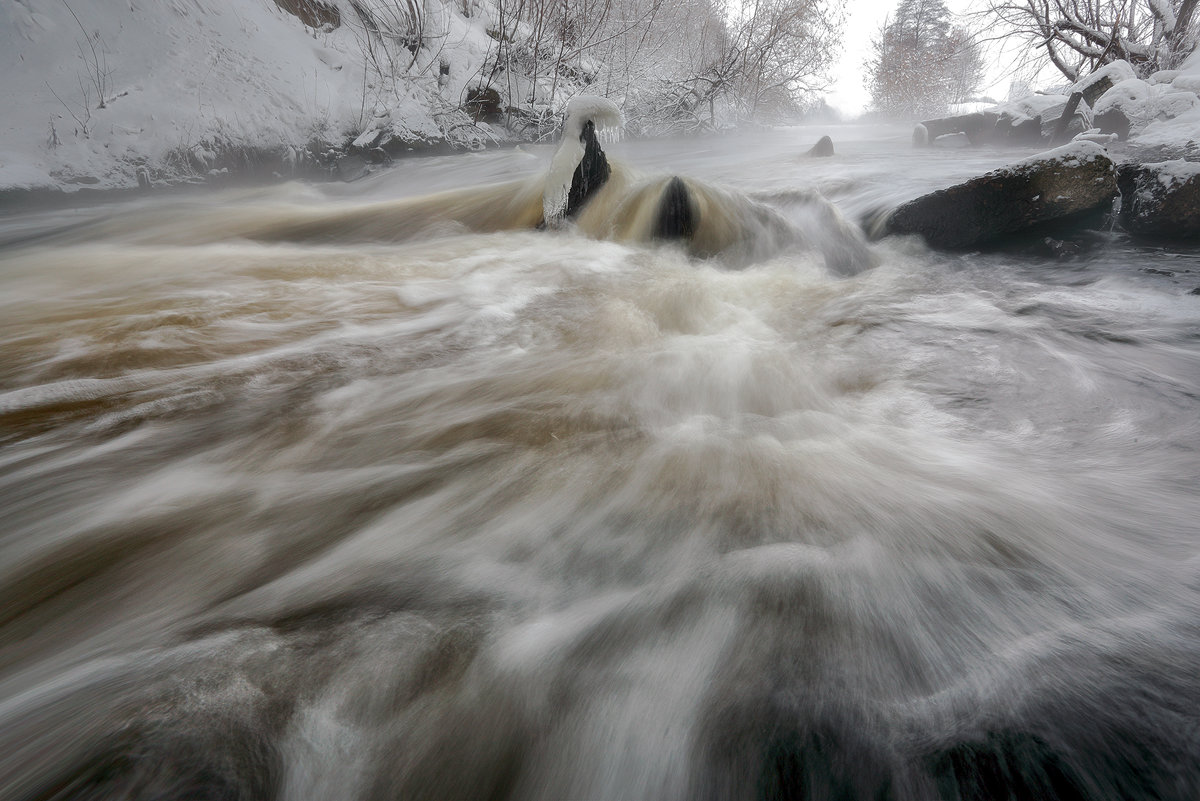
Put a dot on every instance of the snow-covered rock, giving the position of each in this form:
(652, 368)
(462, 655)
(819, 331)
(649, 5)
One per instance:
(1161, 199)
(1142, 102)
(1095, 84)
(1069, 180)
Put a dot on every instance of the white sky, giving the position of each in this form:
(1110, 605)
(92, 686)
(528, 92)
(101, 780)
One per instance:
(863, 18)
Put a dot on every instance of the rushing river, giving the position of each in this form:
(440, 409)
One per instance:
(407, 510)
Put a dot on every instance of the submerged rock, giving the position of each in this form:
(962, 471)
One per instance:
(823, 148)
(1161, 199)
(676, 217)
(350, 168)
(1064, 182)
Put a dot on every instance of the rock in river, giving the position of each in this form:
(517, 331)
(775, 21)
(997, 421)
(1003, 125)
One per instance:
(1161, 199)
(1069, 180)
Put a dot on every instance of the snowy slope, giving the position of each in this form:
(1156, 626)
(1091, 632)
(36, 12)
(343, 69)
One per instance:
(186, 79)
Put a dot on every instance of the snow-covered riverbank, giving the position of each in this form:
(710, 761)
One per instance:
(95, 92)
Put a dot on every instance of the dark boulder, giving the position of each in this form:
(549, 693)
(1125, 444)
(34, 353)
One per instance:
(823, 148)
(350, 168)
(675, 217)
(591, 173)
(1161, 199)
(1112, 121)
(378, 155)
(1062, 183)
(1013, 130)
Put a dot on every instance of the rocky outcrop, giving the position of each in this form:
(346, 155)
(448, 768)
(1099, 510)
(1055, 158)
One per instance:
(1068, 181)
(1162, 199)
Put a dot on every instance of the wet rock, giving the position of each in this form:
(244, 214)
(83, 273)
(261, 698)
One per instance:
(1112, 121)
(823, 148)
(378, 155)
(1060, 249)
(350, 168)
(675, 218)
(1161, 199)
(1061, 183)
(591, 173)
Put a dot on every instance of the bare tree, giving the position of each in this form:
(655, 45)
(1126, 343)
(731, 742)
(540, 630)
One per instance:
(768, 56)
(1079, 36)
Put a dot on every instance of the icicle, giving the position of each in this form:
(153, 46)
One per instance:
(606, 117)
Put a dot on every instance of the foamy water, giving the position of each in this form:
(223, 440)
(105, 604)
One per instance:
(299, 507)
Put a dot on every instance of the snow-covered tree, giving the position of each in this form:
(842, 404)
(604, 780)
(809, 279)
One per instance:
(684, 61)
(1079, 36)
(921, 62)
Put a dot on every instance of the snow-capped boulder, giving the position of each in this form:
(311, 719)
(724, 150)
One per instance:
(1094, 85)
(1067, 181)
(1142, 102)
(1130, 93)
(1161, 199)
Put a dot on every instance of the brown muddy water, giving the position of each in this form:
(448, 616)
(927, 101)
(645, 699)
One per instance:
(358, 493)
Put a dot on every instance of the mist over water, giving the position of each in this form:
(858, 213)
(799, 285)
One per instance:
(413, 506)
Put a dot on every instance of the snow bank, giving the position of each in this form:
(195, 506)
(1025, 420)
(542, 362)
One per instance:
(175, 76)
(1163, 110)
(96, 89)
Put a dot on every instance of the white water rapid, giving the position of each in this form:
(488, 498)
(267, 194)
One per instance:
(355, 492)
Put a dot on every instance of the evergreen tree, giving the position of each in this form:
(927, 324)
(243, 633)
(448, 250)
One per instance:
(921, 63)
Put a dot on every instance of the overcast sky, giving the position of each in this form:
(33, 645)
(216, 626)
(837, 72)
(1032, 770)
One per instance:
(863, 18)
